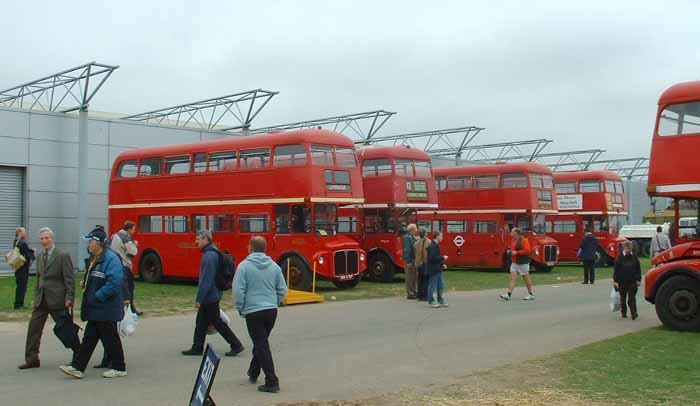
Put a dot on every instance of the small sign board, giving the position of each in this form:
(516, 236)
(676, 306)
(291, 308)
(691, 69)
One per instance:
(458, 241)
(205, 379)
(570, 202)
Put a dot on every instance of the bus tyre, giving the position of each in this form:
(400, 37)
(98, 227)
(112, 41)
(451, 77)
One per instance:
(678, 303)
(300, 275)
(601, 258)
(346, 284)
(543, 268)
(151, 268)
(380, 268)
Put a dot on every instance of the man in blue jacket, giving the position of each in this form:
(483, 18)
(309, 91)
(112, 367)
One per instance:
(409, 261)
(587, 250)
(102, 308)
(208, 298)
(258, 289)
(435, 264)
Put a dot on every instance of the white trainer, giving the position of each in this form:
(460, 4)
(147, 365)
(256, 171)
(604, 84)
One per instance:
(504, 296)
(69, 370)
(444, 304)
(434, 305)
(113, 373)
(529, 296)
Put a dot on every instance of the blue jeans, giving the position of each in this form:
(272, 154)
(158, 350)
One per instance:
(436, 282)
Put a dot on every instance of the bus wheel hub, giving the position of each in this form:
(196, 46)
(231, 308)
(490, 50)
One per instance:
(683, 304)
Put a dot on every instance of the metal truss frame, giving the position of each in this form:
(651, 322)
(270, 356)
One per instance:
(348, 124)
(626, 167)
(208, 114)
(443, 142)
(57, 92)
(505, 151)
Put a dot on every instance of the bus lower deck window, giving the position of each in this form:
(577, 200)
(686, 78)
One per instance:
(254, 223)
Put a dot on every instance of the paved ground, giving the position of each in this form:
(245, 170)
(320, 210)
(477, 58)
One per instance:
(331, 350)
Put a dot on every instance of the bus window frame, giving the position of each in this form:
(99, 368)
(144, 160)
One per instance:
(165, 165)
(162, 169)
(661, 110)
(209, 155)
(268, 165)
(307, 157)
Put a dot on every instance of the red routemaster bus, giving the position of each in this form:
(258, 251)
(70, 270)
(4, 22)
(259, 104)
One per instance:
(673, 284)
(479, 205)
(397, 181)
(285, 186)
(593, 199)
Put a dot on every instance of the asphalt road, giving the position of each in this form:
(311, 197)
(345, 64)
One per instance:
(332, 350)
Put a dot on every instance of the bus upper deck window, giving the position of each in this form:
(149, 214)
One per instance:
(128, 169)
(345, 157)
(566, 187)
(423, 169)
(513, 180)
(200, 163)
(591, 186)
(403, 167)
(150, 167)
(376, 167)
(321, 155)
(177, 165)
(290, 155)
(486, 181)
(255, 158)
(222, 161)
(680, 119)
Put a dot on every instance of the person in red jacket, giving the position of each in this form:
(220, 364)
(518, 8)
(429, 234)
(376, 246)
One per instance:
(520, 264)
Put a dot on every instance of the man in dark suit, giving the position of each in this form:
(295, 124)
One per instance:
(587, 252)
(22, 274)
(53, 296)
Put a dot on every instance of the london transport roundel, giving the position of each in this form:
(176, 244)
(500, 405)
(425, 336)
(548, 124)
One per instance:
(459, 241)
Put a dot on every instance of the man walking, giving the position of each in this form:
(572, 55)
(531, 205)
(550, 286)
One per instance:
(53, 295)
(22, 274)
(208, 298)
(627, 277)
(586, 251)
(435, 265)
(520, 264)
(258, 289)
(421, 249)
(409, 259)
(102, 307)
(127, 248)
(659, 243)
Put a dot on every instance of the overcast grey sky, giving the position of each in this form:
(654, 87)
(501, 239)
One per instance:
(587, 75)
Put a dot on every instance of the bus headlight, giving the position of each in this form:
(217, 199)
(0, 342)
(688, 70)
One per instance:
(362, 257)
(611, 247)
(537, 251)
(321, 260)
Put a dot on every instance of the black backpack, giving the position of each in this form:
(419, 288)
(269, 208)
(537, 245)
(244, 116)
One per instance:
(224, 274)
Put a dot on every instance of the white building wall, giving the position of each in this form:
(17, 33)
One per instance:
(46, 144)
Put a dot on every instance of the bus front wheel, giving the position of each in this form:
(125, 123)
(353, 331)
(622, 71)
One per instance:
(380, 268)
(346, 284)
(151, 268)
(678, 303)
(296, 273)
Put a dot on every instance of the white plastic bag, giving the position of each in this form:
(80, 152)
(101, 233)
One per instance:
(614, 300)
(127, 326)
(211, 330)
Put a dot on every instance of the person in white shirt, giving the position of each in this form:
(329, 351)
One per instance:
(659, 242)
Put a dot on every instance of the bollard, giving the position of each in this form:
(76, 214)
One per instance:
(313, 281)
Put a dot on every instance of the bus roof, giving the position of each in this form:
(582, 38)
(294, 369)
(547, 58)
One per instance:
(579, 175)
(680, 93)
(398, 151)
(526, 167)
(243, 142)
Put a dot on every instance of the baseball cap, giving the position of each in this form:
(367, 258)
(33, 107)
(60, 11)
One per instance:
(97, 234)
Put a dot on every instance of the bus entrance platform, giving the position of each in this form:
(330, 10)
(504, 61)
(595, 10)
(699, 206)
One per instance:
(300, 296)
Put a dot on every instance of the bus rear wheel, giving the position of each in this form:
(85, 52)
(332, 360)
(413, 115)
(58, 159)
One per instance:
(300, 277)
(346, 284)
(678, 303)
(151, 268)
(380, 268)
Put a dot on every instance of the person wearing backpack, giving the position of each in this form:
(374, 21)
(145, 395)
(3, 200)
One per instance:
(208, 298)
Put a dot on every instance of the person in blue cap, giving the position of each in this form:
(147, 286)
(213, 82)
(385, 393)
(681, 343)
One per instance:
(102, 307)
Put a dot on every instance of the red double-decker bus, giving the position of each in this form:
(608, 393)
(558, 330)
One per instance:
(479, 205)
(397, 181)
(588, 199)
(673, 284)
(286, 187)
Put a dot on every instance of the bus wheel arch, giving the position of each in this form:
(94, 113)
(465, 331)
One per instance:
(677, 302)
(380, 267)
(151, 266)
(300, 273)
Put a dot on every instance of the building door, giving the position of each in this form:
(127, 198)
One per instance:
(11, 208)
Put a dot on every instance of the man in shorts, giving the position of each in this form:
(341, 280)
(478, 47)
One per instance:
(520, 264)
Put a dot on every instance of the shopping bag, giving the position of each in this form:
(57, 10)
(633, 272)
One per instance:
(614, 300)
(15, 259)
(127, 327)
(66, 330)
(211, 330)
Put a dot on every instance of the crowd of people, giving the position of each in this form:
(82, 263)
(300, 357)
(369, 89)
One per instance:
(108, 292)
